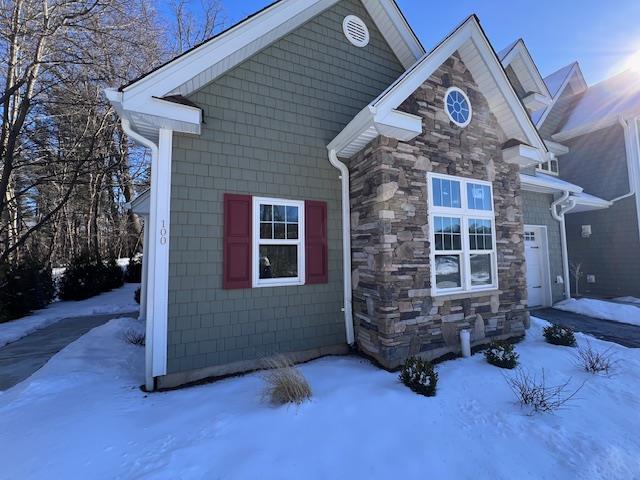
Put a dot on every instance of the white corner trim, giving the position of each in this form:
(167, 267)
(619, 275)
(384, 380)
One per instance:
(159, 232)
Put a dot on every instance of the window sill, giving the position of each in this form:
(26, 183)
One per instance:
(467, 294)
(296, 283)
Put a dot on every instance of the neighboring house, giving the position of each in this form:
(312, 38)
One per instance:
(320, 182)
(598, 126)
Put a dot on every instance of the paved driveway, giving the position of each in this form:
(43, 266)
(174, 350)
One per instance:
(622, 333)
(20, 359)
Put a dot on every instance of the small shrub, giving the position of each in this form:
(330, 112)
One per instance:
(85, 278)
(136, 295)
(420, 376)
(502, 354)
(133, 273)
(25, 287)
(533, 392)
(284, 383)
(594, 361)
(557, 335)
(134, 337)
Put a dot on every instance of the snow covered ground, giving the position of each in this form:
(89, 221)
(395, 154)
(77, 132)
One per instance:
(117, 301)
(83, 416)
(617, 312)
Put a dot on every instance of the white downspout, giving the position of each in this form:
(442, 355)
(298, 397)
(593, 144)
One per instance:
(346, 244)
(563, 236)
(148, 371)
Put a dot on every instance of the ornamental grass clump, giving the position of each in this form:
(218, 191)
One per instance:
(420, 376)
(557, 335)
(284, 383)
(502, 354)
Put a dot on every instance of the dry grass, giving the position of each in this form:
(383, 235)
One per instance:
(284, 383)
(134, 337)
(594, 361)
(533, 392)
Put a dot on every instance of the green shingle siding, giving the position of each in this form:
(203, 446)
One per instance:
(267, 123)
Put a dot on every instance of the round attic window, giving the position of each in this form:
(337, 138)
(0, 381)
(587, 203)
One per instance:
(355, 30)
(457, 106)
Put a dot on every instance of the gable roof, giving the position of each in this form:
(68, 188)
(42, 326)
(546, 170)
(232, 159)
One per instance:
(380, 117)
(556, 83)
(518, 57)
(601, 104)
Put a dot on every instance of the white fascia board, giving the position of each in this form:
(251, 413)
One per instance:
(521, 50)
(547, 184)
(575, 69)
(594, 126)
(523, 155)
(361, 122)
(399, 125)
(535, 101)
(556, 148)
(187, 66)
(589, 202)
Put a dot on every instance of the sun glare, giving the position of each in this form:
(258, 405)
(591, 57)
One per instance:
(633, 62)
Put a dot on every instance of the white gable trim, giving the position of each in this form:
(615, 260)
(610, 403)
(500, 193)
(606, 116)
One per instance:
(194, 69)
(575, 69)
(359, 132)
(520, 50)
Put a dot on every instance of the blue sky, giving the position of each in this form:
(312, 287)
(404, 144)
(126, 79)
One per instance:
(600, 34)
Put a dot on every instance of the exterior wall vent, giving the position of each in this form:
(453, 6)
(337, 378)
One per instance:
(355, 30)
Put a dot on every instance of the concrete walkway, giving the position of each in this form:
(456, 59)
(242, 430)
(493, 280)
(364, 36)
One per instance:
(20, 359)
(622, 333)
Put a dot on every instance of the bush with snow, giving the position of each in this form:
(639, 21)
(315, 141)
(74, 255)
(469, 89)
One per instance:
(557, 335)
(420, 376)
(502, 354)
(595, 361)
(534, 392)
(133, 272)
(24, 287)
(85, 277)
(284, 383)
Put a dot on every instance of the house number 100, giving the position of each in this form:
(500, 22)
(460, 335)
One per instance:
(163, 234)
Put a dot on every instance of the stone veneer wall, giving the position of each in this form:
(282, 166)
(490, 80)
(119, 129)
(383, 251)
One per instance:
(394, 313)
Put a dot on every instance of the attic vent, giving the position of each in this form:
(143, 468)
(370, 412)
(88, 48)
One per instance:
(356, 30)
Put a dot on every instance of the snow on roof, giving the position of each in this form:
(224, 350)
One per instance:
(616, 95)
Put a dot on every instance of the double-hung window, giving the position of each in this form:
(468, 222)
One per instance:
(462, 234)
(278, 249)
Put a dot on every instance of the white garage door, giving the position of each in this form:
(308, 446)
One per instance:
(535, 251)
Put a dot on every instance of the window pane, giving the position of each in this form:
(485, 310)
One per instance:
(279, 230)
(480, 269)
(266, 230)
(447, 271)
(279, 213)
(447, 233)
(457, 242)
(553, 166)
(292, 231)
(278, 261)
(478, 196)
(266, 213)
(446, 193)
(480, 234)
(439, 241)
(292, 214)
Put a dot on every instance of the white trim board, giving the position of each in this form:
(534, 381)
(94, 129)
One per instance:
(520, 51)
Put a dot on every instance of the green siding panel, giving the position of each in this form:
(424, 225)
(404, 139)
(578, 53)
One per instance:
(267, 124)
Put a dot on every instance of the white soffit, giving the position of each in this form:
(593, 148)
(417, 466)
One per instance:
(547, 184)
(197, 67)
(525, 69)
(476, 52)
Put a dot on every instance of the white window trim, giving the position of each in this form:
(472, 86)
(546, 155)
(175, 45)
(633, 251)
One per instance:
(277, 282)
(464, 213)
(446, 107)
(549, 171)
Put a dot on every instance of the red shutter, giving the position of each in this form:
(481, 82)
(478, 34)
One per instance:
(237, 241)
(316, 249)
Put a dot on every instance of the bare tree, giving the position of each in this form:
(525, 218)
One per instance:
(576, 271)
(194, 22)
